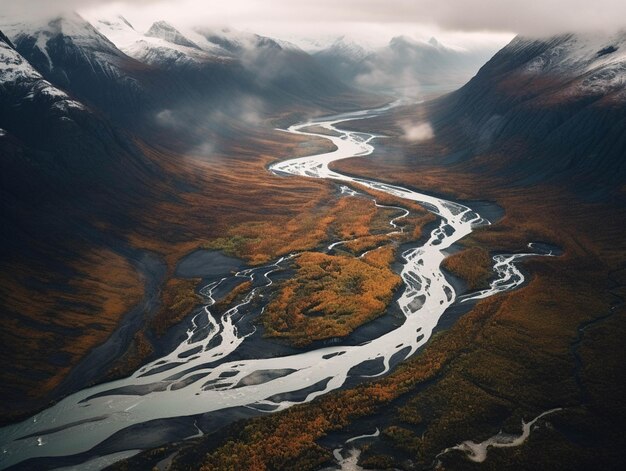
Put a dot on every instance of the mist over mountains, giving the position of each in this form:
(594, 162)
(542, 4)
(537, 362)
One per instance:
(405, 66)
(124, 149)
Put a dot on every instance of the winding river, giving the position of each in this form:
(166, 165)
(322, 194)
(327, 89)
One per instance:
(200, 374)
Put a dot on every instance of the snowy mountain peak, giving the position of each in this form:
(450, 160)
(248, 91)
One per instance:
(596, 62)
(167, 32)
(70, 26)
(15, 71)
(163, 44)
(348, 48)
(575, 51)
(117, 23)
(36, 37)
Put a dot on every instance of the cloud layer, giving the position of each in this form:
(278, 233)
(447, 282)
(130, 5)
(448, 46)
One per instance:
(531, 17)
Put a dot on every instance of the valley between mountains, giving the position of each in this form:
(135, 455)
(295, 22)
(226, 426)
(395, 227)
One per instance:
(220, 251)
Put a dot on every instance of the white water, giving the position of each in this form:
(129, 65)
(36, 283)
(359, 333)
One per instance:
(477, 452)
(349, 462)
(508, 275)
(197, 376)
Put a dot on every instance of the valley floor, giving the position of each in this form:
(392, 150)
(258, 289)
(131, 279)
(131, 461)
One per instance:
(553, 344)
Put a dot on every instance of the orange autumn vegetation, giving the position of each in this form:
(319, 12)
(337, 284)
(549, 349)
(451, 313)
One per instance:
(467, 381)
(358, 217)
(102, 287)
(414, 222)
(235, 293)
(253, 215)
(178, 299)
(343, 218)
(330, 296)
(472, 265)
(234, 203)
(362, 244)
(56, 310)
(509, 358)
(288, 440)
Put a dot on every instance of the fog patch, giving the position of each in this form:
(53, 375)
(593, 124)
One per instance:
(416, 132)
(206, 149)
(404, 83)
(206, 129)
(243, 109)
(267, 61)
(168, 118)
(248, 110)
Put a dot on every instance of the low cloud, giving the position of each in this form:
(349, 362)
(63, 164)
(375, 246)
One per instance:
(168, 119)
(205, 150)
(416, 132)
(404, 83)
(244, 109)
(532, 17)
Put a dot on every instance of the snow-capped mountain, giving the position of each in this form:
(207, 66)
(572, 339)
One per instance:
(71, 54)
(46, 44)
(343, 47)
(20, 80)
(136, 79)
(595, 62)
(276, 70)
(162, 45)
(170, 46)
(344, 57)
(561, 99)
(165, 31)
(48, 135)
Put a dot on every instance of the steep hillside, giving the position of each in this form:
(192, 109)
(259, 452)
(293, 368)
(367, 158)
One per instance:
(555, 107)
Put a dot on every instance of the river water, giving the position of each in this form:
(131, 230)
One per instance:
(199, 375)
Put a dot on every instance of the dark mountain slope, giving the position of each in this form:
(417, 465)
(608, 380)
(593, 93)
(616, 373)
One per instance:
(556, 108)
(154, 83)
(90, 209)
(64, 285)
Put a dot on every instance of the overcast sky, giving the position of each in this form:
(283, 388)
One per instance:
(453, 21)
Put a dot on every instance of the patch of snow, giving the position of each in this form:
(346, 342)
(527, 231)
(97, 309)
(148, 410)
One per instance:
(42, 45)
(345, 48)
(70, 25)
(156, 48)
(117, 30)
(164, 30)
(15, 70)
(13, 67)
(598, 59)
(587, 64)
(65, 105)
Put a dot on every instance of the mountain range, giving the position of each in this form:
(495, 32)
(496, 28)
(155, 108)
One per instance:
(407, 66)
(121, 149)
